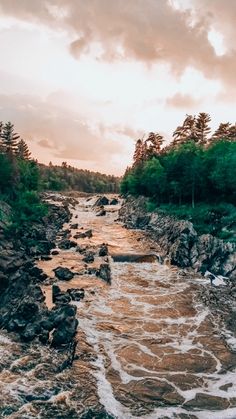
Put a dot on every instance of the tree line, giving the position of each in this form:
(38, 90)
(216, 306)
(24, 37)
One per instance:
(22, 178)
(195, 167)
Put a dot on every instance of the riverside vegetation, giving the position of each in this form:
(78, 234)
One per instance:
(192, 178)
(23, 178)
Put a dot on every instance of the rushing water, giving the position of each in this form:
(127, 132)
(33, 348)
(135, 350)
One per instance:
(147, 346)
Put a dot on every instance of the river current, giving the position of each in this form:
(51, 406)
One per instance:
(147, 346)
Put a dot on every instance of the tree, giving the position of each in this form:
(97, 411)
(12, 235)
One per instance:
(139, 152)
(154, 143)
(185, 132)
(9, 139)
(23, 150)
(222, 131)
(202, 127)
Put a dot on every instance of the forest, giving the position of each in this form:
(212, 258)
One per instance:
(22, 178)
(193, 177)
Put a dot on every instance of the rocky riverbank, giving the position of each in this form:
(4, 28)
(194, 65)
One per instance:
(22, 305)
(179, 241)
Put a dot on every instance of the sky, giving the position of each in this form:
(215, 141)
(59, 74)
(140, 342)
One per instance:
(82, 80)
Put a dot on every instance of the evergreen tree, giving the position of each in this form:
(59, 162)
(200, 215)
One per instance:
(154, 143)
(185, 132)
(9, 139)
(202, 127)
(23, 150)
(222, 131)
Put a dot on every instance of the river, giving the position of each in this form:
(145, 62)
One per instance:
(147, 346)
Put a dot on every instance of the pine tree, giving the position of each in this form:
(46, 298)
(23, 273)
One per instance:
(202, 127)
(222, 131)
(232, 133)
(23, 150)
(9, 139)
(139, 152)
(185, 132)
(154, 143)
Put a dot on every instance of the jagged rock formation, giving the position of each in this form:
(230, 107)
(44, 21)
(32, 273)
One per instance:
(179, 241)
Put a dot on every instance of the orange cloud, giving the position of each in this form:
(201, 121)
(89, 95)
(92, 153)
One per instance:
(145, 30)
(182, 101)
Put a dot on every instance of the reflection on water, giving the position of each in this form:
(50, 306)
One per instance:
(147, 346)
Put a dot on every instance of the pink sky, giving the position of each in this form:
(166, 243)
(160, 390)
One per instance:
(82, 80)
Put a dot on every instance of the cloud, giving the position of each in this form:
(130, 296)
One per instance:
(183, 101)
(148, 31)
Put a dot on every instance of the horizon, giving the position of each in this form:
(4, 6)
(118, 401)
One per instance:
(81, 82)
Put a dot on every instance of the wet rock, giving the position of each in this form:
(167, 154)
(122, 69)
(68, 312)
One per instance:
(89, 257)
(66, 244)
(74, 226)
(46, 257)
(37, 272)
(55, 292)
(103, 251)
(102, 200)
(83, 235)
(76, 294)
(104, 272)
(204, 401)
(55, 252)
(101, 213)
(30, 332)
(114, 201)
(66, 327)
(64, 274)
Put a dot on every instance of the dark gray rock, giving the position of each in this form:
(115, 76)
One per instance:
(66, 244)
(104, 272)
(102, 200)
(89, 257)
(74, 226)
(64, 274)
(114, 201)
(103, 251)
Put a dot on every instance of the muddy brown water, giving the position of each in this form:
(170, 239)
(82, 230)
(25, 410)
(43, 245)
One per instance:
(147, 347)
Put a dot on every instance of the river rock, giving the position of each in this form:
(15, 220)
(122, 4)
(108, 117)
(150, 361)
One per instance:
(66, 244)
(102, 200)
(104, 272)
(103, 251)
(55, 252)
(83, 235)
(65, 323)
(204, 401)
(64, 274)
(101, 213)
(76, 294)
(74, 226)
(89, 257)
(114, 201)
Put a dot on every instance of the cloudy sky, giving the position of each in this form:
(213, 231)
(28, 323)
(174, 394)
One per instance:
(83, 79)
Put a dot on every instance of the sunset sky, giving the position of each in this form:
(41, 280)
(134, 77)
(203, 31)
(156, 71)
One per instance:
(83, 79)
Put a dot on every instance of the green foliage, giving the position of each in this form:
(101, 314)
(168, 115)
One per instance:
(66, 177)
(218, 219)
